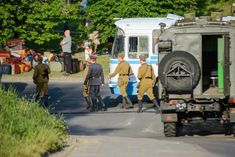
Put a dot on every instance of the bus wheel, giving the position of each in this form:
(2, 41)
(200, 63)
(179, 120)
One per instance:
(170, 129)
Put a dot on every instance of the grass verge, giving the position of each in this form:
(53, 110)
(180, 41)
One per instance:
(28, 130)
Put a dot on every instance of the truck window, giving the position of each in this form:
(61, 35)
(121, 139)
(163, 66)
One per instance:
(138, 45)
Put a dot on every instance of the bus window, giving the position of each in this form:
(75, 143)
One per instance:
(118, 44)
(138, 45)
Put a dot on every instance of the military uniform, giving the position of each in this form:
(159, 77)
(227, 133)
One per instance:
(86, 87)
(124, 70)
(95, 76)
(147, 81)
(41, 79)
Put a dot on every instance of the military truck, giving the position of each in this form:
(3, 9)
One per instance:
(197, 75)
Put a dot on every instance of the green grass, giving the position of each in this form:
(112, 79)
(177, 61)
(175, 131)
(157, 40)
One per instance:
(104, 61)
(28, 130)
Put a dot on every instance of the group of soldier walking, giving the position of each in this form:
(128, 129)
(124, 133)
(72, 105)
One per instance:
(94, 78)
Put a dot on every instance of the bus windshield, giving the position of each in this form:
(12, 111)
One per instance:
(118, 44)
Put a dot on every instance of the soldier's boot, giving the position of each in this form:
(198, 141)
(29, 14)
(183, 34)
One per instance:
(37, 97)
(103, 106)
(88, 101)
(140, 103)
(129, 103)
(157, 106)
(46, 101)
(93, 106)
(154, 105)
(124, 103)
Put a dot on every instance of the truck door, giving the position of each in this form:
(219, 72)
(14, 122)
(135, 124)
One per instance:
(226, 65)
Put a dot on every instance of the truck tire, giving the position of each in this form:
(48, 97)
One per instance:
(179, 72)
(170, 129)
(233, 130)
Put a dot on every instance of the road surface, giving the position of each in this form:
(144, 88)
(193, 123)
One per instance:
(120, 132)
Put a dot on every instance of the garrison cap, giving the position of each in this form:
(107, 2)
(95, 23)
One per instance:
(142, 58)
(121, 55)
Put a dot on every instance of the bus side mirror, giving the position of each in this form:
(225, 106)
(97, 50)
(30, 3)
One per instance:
(165, 46)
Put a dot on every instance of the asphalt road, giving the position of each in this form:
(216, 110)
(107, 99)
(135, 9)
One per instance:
(121, 124)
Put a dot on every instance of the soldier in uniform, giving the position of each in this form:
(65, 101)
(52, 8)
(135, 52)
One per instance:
(147, 81)
(41, 79)
(124, 70)
(86, 87)
(95, 76)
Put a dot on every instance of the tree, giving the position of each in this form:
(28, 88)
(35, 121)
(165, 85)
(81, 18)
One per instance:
(101, 13)
(205, 7)
(36, 20)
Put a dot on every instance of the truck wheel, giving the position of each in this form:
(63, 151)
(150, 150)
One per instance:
(233, 130)
(170, 129)
(179, 72)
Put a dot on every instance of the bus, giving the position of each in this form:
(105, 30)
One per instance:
(135, 37)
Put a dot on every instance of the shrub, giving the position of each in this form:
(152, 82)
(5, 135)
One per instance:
(28, 130)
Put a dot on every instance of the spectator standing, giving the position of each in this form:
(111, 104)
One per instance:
(66, 45)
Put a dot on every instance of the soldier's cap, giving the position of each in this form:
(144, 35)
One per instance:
(121, 55)
(93, 57)
(142, 58)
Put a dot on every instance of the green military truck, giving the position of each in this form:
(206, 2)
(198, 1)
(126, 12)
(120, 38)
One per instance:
(197, 75)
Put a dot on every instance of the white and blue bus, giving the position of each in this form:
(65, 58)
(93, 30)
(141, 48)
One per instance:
(135, 37)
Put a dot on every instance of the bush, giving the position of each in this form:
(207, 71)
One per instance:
(28, 130)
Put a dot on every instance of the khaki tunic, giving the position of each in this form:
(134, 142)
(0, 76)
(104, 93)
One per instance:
(124, 70)
(147, 78)
(40, 79)
(85, 87)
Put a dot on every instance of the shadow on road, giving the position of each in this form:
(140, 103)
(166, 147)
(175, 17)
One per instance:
(19, 87)
(84, 131)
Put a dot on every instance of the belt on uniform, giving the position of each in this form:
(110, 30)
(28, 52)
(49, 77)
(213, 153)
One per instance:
(96, 77)
(123, 74)
(148, 77)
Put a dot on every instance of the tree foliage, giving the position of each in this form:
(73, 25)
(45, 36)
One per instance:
(205, 7)
(101, 13)
(35, 20)
(41, 21)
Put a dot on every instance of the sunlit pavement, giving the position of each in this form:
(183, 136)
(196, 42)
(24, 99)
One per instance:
(119, 132)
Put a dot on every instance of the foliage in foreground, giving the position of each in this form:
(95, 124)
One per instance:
(27, 130)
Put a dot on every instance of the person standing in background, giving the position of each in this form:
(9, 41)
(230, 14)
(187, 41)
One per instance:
(66, 45)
